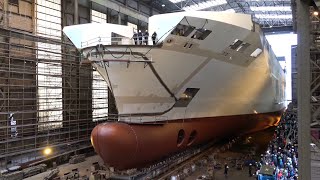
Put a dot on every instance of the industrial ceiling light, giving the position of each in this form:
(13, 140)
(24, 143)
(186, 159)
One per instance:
(273, 16)
(268, 0)
(176, 1)
(315, 13)
(271, 8)
(163, 5)
(230, 10)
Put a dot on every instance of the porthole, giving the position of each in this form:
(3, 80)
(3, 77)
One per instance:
(181, 135)
(192, 137)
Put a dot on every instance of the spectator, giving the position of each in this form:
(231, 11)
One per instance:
(135, 38)
(140, 36)
(283, 149)
(146, 37)
(154, 37)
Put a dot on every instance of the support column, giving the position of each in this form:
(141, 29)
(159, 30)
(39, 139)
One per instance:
(151, 11)
(126, 19)
(109, 15)
(76, 12)
(119, 18)
(304, 111)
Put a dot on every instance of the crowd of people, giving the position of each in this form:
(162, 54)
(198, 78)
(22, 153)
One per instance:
(282, 151)
(143, 38)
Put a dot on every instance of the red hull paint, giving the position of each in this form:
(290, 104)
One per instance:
(125, 146)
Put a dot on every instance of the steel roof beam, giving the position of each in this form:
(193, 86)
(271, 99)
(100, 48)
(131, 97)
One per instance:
(122, 9)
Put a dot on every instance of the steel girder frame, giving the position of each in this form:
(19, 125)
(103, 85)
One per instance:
(243, 6)
(315, 69)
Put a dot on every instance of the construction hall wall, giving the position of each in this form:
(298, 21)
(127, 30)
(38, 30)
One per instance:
(46, 91)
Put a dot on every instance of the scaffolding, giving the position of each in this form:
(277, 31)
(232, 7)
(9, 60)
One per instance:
(20, 130)
(46, 94)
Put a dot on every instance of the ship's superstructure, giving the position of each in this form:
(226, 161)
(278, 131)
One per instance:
(208, 75)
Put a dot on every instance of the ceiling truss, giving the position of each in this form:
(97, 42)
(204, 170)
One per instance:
(267, 13)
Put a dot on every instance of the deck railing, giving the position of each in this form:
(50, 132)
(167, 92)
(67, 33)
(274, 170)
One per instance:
(130, 118)
(116, 41)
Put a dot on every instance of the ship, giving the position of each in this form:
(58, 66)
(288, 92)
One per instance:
(206, 76)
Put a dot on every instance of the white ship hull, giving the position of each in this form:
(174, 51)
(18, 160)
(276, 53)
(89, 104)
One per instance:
(230, 82)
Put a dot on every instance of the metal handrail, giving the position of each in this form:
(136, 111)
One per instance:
(114, 40)
(143, 119)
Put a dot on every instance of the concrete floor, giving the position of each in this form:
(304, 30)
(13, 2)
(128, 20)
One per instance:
(83, 167)
(240, 150)
(233, 173)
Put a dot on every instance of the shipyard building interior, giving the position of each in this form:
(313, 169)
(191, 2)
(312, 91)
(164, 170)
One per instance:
(159, 89)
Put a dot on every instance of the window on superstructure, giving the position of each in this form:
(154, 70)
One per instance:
(243, 47)
(201, 34)
(182, 30)
(236, 44)
(186, 97)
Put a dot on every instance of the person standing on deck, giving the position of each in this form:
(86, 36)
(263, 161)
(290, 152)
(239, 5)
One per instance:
(154, 37)
(146, 37)
(140, 36)
(135, 38)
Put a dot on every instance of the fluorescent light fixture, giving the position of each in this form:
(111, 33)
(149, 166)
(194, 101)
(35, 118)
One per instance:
(271, 8)
(176, 1)
(204, 5)
(230, 10)
(267, 0)
(273, 16)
